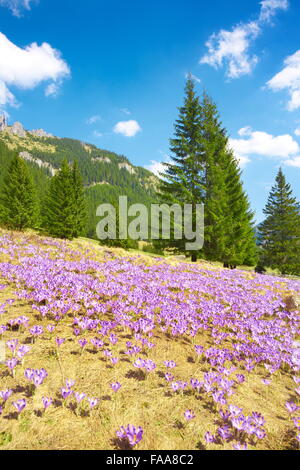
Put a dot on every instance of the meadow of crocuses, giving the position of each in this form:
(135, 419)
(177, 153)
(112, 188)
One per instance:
(110, 350)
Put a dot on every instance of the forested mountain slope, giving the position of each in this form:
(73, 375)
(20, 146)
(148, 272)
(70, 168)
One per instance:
(106, 175)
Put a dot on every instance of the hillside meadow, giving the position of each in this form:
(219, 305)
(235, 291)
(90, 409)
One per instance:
(192, 355)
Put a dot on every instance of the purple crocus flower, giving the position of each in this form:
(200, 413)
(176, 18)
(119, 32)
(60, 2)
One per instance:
(70, 383)
(149, 365)
(115, 386)
(169, 377)
(260, 433)
(93, 402)
(5, 394)
(199, 349)
(240, 446)
(19, 405)
(209, 438)
(139, 363)
(47, 402)
(170, 364)
(36, 330)
(224, 432)
(60, 341)
(240, 378)
(175, 386)
(291, 407)
(12, 344)
(22, 351)
(29, 374)
(79, 396)
(82, 342)
(189, 414)
(12, 363)
(37, 380)
(65, 392)
(131, 433)
(50, 328)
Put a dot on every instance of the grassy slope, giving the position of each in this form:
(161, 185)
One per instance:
(142, 402)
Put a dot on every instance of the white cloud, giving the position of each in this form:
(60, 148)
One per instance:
(264, 144)
(157, 167)
(6, 97)
(127, 128)
(289, 79)
(26, 68)
(93, 119)
(231, 48)
(295, 162)
(52, 89)
(244, 131)
(17, 6)
(297, 131)
(269, 7)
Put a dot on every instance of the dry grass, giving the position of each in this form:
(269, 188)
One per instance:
(143, 401)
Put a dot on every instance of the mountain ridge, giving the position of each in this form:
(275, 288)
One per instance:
(106, 175)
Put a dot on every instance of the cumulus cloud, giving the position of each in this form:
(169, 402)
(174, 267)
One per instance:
(17, 6)
(295, 162)
(93, 119)
(157, 167)
(232, 48)
(282, 147)
(297, 131)
(26, 68)
(127, 128)
(289, 79)
(269, 8)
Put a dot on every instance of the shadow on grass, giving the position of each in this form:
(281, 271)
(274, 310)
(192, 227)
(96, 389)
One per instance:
(121, 444)
(12, 415)
(136, 374)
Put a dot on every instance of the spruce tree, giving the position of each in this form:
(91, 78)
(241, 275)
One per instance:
(214, 141)
(204, 170)
(18, 197)
(241, 247)
(58, 210)
(184, 176)
(279, 234)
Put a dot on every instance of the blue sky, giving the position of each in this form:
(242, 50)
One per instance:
(113, 73)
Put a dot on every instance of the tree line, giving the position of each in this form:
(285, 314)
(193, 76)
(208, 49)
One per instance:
(62, 213)
(204, 170)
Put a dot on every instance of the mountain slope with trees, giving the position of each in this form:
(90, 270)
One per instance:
(105, 174)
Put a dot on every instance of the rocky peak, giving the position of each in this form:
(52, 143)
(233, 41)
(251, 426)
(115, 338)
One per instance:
(18, 129)
(3, 123)
(40, 133)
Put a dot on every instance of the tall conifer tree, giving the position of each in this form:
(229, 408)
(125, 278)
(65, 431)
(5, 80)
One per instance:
(184, 175)
(59, 205)
(279, 234)
(204, 170)
(18, 197)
